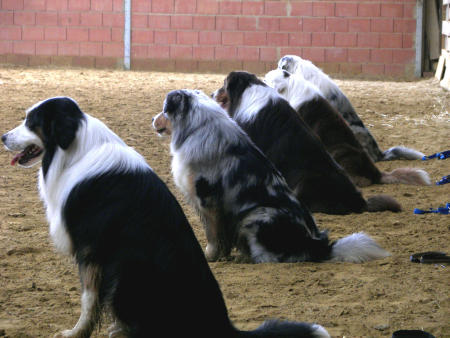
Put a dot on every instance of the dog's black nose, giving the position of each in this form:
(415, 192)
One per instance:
(3, 138)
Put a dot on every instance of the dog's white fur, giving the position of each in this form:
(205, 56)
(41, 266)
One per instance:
(310, 72)
(357, 248)
(95, 150)
(295, 88)
(21, 137)
(253, 100)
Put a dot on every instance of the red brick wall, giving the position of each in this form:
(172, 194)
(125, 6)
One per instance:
(64, 32)
(367, 36)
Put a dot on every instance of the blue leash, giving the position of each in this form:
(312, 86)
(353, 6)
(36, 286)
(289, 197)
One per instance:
(444, 180)
(440, 156)
(441, 210)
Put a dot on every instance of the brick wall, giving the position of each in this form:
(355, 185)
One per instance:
(63, 32)
(342, 36)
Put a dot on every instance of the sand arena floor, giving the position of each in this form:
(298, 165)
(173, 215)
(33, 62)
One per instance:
(39, 289)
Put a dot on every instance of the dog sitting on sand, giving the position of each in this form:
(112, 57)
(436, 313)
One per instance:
(242, 200)
(334, 95)
(335, 133)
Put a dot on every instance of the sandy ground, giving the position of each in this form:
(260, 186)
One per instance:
(39, 289)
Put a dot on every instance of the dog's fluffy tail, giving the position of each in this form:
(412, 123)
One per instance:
(383, 203)
(277, 328)
(401, 153)
(406, 176)
(356, 248)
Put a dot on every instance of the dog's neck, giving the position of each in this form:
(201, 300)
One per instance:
(95, 149)
(204, 138)
(253, 99)
(300, 91)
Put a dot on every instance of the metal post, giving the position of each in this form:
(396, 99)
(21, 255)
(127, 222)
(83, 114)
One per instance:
(419, 38)
(127, 34)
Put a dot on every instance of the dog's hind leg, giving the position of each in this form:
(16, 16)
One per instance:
(90, 308)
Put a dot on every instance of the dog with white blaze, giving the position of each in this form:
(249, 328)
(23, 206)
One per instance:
(331, 91)
(335, 133)
(317, 180)
(242, 200)
(137, 255)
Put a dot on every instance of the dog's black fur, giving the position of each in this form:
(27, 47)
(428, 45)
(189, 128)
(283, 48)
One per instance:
(133, 230)
(342, 144)
(339, 141)
(277, 129)
(136, 252)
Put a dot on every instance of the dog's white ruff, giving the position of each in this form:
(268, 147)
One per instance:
(95, 150)
(253, 100)
(294, 88)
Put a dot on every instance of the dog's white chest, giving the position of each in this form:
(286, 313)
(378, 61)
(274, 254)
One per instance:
(53, 210)
(182, 175)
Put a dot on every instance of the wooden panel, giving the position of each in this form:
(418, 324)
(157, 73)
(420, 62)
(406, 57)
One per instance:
(445, 83)
(440, 67)
(432, 30)
(446, 25)
(446, 28)
(443, 66)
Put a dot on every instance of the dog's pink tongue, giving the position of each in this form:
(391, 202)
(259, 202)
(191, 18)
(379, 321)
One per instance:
(16, 158)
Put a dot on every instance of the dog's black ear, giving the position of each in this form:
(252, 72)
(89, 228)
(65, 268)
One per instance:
(237, 83)
(177, 103)
(66, 117)
(173, 101)
(64, 130)
(235, 86)
(286, 73)
(284, 62)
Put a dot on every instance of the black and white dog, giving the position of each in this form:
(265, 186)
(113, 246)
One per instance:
(242, 199)
(136, 252)
(330, 90)
(335, 133)
(296, 151)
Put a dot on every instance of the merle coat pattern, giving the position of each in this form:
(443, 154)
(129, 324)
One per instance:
(242, 199)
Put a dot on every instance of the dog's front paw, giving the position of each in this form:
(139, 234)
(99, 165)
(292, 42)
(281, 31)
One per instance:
(116, 331)
(211, 253)
(67, 333)
(117, 334)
